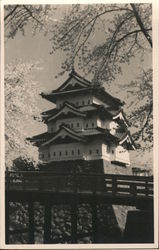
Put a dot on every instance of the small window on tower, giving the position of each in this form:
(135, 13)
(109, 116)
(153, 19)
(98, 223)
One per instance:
(90, 151)
(60, 153)
(88, 101)
(87, 125)
(78, 152)
(54, 153)
(97, 151)
(78, 124)
(112, 151)
(66, 153)
(72, 152)
(92, 124)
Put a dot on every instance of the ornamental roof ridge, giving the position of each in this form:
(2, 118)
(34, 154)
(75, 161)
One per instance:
(74, 73)
(49, 112)
(68, 130)
(81, 85)
(127, 134)
(115, 116)
(70, 107)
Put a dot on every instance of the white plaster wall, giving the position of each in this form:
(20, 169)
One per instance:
(90, 151)
(77, 100)
(88, 122)
(63, 148)
(103, 124)
(84, 123)
(93, 150)
(122, 155)
(71, 121)
(105, 152)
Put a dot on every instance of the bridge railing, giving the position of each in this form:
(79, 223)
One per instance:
(109, 184)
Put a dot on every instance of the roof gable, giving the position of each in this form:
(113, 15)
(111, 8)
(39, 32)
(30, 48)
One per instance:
(62, 133)
(67, 108)
(73, 82)
(121, 117)
(127, 140)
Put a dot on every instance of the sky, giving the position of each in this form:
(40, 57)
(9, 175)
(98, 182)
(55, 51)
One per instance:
(29, 48)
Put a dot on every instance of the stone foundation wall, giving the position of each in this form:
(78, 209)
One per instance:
(108, 229)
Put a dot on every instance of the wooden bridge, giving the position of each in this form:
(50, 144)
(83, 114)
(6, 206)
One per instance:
(64, 188)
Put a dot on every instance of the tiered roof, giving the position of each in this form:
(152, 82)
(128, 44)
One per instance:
(79, 86)
(69, 110)
(66, 134)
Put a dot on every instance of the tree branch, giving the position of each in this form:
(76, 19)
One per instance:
(100, 14)
(130, 33)
(72, 28)
(16, 15)
(10, 13)
(141, 25)
(31, 14)
(145, 124)
(82, 44)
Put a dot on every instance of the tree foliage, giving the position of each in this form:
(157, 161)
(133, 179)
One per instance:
(21, 94)
(140, 109)
(121, 37)
(18, 16)
(99, 39)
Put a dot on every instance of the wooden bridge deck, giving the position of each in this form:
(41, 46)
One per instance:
(114, 189)
(53, 188)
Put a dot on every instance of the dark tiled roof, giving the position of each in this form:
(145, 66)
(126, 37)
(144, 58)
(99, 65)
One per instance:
(75, 75)
(41, 137)
(98, 91)
(85, 134)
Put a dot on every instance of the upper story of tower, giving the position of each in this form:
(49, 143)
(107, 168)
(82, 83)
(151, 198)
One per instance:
(80, 92)
(82, 105)
(86, 122)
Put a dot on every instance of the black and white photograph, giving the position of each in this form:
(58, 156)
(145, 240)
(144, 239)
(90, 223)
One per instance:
(79, 124)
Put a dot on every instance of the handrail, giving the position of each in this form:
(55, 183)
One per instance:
(110, 184)
(120, 176)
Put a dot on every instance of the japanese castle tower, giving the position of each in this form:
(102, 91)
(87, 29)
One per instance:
(87, 125)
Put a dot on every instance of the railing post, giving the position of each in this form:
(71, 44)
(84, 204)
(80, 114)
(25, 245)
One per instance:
(74, 221)
(31, 222)
(94, 184)
(23, 182)
(114, 185)
(94, 221)
(74, 209)
(146, 188)
(133, 189)
(47, 223)
(6, 219)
